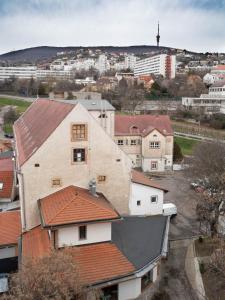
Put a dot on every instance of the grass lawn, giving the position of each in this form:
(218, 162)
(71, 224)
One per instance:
(21, 105)
(8, 128)
(186, 145)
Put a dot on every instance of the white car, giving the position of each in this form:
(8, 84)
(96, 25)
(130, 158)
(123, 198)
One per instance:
(169, 209)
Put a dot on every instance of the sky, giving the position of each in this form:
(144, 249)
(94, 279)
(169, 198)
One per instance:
(196, 25)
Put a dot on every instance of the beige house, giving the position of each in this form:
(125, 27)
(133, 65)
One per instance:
(58, 145)
(147, 139)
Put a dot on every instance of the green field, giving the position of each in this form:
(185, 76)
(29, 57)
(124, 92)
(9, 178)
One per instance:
(186, 145)
(20, 104)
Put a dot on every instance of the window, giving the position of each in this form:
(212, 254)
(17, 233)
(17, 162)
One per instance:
(82, 232)
(139, 141)
(37, 165)
(154, 199)
(101, 178)
(120, 142)
(79, 155)
(154, 165)
(1, 185)
(138, 202)
(133, 142)
(56, 182)
(154, 145)
(78, 132)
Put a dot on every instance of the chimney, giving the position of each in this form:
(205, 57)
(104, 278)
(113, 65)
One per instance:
(92, 187)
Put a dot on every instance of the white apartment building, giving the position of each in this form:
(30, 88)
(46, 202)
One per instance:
(130, 61)
(33, 72)
(161, 64)
(18, 72)
(217, 74)
(102, 64)
(214, 102)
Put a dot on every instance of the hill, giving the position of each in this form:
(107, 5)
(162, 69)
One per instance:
(35, 54)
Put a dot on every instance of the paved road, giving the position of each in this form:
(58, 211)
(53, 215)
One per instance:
(185, 224)
(174, 280)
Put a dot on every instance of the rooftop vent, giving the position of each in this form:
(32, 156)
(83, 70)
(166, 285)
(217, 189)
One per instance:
(92, 187)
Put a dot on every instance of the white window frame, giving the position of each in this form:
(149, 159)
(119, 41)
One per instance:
(133, 142)
(154, 145)
(120, 142)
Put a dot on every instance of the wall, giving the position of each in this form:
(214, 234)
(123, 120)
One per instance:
(144, 193)
(7, 252)
(163, 155)
(99, 232)
(106, 123)
(104, 157)
(129, 289)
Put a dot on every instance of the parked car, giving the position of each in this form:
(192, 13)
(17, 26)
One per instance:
(169, 209)
(9, 136)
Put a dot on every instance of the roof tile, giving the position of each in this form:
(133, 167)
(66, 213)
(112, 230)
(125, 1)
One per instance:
(142, 124)
(75, 205)
(10, 227)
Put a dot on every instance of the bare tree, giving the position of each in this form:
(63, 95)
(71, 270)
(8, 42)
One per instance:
(51, 277)
(208, 167)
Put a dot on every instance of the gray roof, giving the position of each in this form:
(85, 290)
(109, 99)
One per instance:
(92, 104)
(140, 239)
(6, 154)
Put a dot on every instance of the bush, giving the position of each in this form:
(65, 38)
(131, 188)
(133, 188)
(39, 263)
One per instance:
(200, 239)
(202, 268)
(177, 153)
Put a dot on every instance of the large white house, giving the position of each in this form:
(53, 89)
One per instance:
(213, 102)
(161, 64)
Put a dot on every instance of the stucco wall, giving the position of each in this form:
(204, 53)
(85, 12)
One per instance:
(164, 155)
(104, 157)
(99, 232)
(107, 123)
(129, 289)
(144, 193)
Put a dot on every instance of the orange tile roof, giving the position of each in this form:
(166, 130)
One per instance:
(36, 243)
(139, 177)
(101, 262)
(10, 227)
(6, 164)
(37, 124)
(142, 124)
(75, 205)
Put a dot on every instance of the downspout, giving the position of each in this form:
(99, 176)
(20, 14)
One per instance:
(23, 199)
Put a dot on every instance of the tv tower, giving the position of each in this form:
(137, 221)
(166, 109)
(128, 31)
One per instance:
(158, 36)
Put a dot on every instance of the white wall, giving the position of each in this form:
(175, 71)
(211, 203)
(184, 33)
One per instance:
(144, 193)
(129, 289)
(146, 164)
(98, 232)
(7, 252)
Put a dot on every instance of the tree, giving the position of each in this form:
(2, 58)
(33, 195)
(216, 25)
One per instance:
(55, 276)
(208, 167)
(217, 261)
(177, 154)
(10, 116)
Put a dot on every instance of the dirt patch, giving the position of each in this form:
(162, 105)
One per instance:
(206, 246)
(214, 285)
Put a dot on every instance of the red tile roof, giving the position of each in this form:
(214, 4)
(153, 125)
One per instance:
(142, 124)
(6, 164)
(74, 205)
(37, 124)
(101, 262)
(10, 227)
(140, 178)
(219, 67)
(36, 243)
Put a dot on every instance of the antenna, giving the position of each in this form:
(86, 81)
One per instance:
(158, 36)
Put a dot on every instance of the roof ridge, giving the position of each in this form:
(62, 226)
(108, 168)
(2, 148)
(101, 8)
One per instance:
(61, 209)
